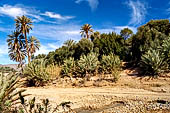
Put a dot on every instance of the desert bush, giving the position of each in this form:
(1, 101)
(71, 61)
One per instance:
(32, 106)
(109, 63)
(7, 69)
(83, 47)
(88, 64)
(148, 33)
(109, 43)
(8, 91)
(36, 72)
(153, 62)
(53, 71)
(116, 74)
(166, 49)
(68, 67)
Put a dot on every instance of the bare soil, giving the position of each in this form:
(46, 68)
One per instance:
(104, 97)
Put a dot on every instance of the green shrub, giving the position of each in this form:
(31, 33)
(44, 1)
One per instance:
(88, 64)
(109, 63)
(68, 67)
(8, 92)
(36, 72)
(83, 47)
(116, 74)
(166, 49)
(153, 62)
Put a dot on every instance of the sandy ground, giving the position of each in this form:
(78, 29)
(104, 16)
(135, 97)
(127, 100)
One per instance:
(129, 87)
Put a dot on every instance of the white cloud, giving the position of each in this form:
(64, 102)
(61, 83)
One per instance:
(12, 11)
(92, 3)
(3, 49)
(117, 29)
(57, 32)
(139, 11)
(19, 10)
(57, 16)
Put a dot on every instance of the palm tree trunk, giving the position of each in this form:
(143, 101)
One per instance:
(87, 35)
(26, 41)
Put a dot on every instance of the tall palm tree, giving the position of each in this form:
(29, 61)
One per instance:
(16, 47)
(24, 25)
(34, 44)
(85, 30)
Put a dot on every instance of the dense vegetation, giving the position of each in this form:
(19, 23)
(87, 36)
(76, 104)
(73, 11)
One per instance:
(95, 54)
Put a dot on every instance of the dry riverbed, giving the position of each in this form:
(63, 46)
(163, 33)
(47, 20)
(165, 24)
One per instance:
(131, 94)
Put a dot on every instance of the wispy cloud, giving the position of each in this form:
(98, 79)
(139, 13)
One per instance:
(57, 16)
(116, 29)
(19, 10)
(57, 32)
(46, 48)
(36, 15)
(92, 3)
(139, 11)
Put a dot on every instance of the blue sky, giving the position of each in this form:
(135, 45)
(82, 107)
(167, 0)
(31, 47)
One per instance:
(56, 21)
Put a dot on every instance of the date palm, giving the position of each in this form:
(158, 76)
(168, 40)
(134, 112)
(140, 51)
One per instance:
(34, 45)
(16, 47)
(24, 25)
(85, 30)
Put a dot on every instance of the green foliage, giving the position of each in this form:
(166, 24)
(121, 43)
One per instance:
(83, 47)
(64, 52)
(88, 64)
(86, 29)
(166, 50)
(95, 35)
(109, 63)
(68, 67)
(39, 56)
(16, 47)
(153, 62)
(116, 74)
(109, 43)
(8, 93)
(155, 30)
(126, 33)
(36, 72)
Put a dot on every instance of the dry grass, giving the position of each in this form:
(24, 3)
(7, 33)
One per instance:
(53, 70)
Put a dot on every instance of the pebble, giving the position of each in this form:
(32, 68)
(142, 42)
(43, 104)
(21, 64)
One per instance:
(140, 107)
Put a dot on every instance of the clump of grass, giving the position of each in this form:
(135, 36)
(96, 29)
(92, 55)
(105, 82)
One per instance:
(53, 71)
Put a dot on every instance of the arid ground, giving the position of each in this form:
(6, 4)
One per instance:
(130, 94)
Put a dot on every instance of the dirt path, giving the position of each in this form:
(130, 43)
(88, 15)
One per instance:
(94, 97)
(128, 88)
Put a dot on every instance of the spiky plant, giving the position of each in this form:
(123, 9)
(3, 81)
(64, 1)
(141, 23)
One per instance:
(88, 64)
(166, 49)
(68, 67)
(8, 91)
(36, 73)
(109, 63)
(153, 62)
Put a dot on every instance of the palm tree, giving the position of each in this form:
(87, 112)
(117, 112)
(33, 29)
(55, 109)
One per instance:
(24, 25)
(34, 44)
(69, 43)
(16, 47)
(85, 30)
